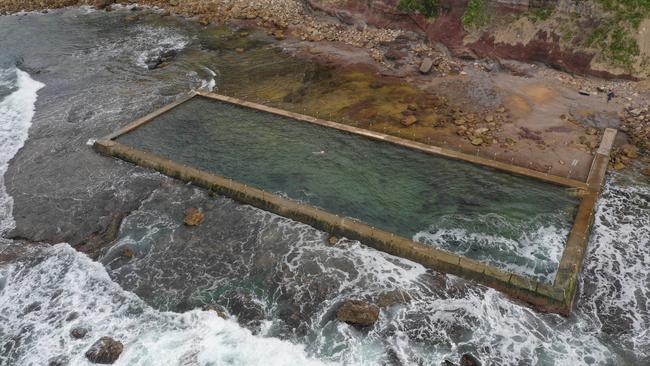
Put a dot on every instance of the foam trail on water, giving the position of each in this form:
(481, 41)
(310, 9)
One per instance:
(53, 289)
(16, 113)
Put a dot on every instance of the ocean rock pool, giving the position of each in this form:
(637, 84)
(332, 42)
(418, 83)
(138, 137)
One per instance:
(515, 223)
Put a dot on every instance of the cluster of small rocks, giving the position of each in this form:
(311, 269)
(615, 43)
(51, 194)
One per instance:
(482, 130)
(621, 156)
(636, 124)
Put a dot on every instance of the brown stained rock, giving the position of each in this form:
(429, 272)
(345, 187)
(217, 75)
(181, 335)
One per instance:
(477, 141)
(646, 172)
(333, 240)
(630, 151)
(394, 54)
(193, 217)
(390, 298)
(102, 4)
(358, 313)
(105, 351)
(127, 253)
(409, 120)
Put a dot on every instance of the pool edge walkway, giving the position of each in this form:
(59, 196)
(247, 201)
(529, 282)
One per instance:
(557, 298)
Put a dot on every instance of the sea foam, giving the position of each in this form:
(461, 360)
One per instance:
(16, 113)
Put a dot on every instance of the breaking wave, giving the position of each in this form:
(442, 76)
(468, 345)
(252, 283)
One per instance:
(16, 112)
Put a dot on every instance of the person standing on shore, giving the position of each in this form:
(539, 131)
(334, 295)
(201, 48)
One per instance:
(610, 95)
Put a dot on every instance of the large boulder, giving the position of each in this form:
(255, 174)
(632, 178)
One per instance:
(469, 360)
(105, 351)
(358, 313)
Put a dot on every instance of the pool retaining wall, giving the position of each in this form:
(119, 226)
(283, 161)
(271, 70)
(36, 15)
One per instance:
(558, 297)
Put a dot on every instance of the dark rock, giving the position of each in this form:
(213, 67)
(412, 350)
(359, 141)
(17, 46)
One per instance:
(153, 63)
(78, 332)
(247, 310)
(358, 313)
(58, 361)
(448, 363)
(345, 17)
(161, 60)
(469, 360)
(466, 54)
(394, 54)
(102, 4)
(105, 351)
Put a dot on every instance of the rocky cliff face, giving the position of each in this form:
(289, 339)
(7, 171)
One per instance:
(554, 32)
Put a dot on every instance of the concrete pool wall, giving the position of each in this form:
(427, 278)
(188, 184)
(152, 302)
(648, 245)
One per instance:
(557, 297)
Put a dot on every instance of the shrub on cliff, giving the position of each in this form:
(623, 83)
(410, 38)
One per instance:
(428, 8)
(476, 14)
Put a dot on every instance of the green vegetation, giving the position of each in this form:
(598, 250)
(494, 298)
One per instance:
(428, 8)
(476, 14)
(613, 37)
(631, 11)
(539, 14)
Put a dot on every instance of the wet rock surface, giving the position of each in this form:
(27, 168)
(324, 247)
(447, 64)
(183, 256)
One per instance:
(193, 217)
(105, 350)
(78, 332)
(469, 360)
(358, 313)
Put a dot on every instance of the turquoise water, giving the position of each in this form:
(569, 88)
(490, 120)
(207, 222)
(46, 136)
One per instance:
(513, 222)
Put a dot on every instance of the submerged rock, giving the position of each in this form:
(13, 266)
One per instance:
(333, 240)
(469, 360)
(193, 217)
(127, 253)
(78, 332)
(646, 172)
(105, 351)
(358, 313)
(394, 297)
(161, 60)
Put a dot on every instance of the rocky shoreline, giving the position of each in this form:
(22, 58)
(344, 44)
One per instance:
(345, 40)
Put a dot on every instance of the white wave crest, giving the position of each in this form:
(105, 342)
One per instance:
(16, 113)
(54, 289)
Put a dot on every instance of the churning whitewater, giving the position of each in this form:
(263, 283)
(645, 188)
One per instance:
(250, 287)
(16, 112)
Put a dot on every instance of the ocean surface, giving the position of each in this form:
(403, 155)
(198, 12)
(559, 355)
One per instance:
(246, 287)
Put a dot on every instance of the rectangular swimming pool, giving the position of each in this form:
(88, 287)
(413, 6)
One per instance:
(515, 223)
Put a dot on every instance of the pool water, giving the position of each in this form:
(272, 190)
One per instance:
(515, 223)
